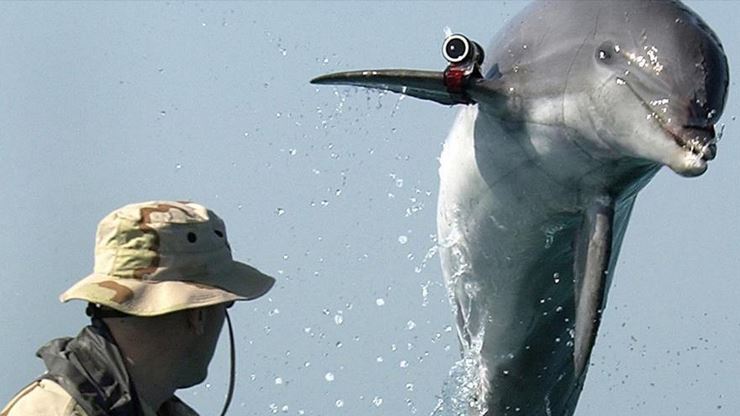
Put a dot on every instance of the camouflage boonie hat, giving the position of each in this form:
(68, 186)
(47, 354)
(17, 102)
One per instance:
(158, 257)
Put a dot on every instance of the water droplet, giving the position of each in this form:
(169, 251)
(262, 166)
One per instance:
(329, 377)
(409, 387)
(278, 381)
(379, 359)
(162, 113)
(178, 166)
(338, 319)
(378, 401)
(403, 239)
(380, 301)
(399, 183)
(339, 403)
(339, 344)
(279, 211)
(410, 325)
(403, 364)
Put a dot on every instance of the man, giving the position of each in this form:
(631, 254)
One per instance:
(162, 282)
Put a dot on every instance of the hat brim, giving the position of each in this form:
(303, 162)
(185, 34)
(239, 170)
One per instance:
(152, 297)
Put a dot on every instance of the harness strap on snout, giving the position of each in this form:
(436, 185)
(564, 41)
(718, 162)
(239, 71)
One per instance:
(232, 374)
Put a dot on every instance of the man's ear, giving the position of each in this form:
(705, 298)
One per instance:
(196, 320)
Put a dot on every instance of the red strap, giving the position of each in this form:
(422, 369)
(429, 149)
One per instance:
(454, 80)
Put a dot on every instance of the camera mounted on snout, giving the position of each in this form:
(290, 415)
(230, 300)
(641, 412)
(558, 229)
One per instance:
(465, 58)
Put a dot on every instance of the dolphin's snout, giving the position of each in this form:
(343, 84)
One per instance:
(699, 140)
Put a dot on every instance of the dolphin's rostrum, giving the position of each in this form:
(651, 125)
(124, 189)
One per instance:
(569, 113)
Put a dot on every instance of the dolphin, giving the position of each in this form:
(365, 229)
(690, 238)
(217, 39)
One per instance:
(565, 117)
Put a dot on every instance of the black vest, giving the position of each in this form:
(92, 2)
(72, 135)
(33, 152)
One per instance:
(90, 368)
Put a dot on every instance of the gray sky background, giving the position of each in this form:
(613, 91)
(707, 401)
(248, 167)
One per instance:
(331, 190)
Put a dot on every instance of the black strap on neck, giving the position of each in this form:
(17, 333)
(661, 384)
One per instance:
(232, 374)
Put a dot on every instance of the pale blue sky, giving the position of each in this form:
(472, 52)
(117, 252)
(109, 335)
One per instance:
(331, 190)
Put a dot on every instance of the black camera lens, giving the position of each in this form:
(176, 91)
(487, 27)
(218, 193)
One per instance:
(456, 48)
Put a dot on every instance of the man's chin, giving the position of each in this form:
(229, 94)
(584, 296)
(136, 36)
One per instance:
(194, 381)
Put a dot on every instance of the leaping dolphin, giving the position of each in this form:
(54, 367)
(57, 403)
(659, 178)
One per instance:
(568, 114)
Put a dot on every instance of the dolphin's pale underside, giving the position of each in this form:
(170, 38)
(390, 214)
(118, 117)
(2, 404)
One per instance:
(573, 109)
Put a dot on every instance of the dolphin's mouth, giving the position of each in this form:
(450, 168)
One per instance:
(699, 141)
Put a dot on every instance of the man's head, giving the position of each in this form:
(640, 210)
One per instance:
(163, 279)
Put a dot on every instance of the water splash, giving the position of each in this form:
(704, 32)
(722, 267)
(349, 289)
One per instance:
(461, 392)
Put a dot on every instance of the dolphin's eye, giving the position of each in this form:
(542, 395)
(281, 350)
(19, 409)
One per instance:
(605, 52)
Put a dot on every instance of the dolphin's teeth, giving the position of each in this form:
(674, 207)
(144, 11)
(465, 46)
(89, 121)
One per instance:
(704, 147)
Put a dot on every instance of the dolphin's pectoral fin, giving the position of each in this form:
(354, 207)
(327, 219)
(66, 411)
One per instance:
(592, 258)
(427, 85)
